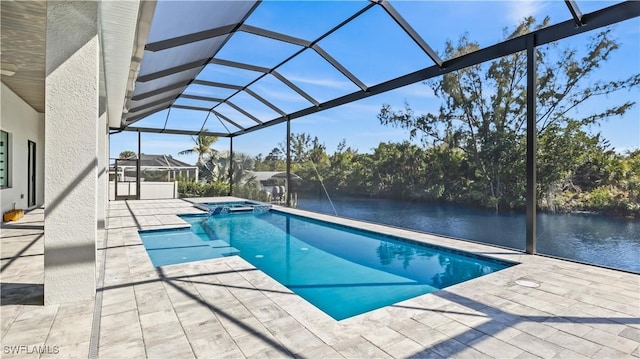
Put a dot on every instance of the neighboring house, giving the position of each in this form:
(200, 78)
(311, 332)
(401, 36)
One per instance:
(158, 168)
(273, 182)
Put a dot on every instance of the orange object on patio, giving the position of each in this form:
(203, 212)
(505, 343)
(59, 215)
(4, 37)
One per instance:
(13, 215)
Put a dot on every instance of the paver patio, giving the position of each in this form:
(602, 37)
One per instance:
(227, 308)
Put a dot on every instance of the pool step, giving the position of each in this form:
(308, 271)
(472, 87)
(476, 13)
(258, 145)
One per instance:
(209, 231)
(215, 209)
(225, 252)
(222, 248)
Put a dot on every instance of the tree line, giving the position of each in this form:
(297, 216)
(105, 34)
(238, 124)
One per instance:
(576, 172)
(595, 179)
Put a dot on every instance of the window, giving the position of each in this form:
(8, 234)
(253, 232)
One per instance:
(4, 160)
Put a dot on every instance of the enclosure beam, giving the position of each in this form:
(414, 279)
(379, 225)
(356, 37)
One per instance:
(219, 115)
(585, 22)
(531, 145)
(295, 88)
(240, 65)
(274, 35)
(203, 98)
(217, 84)
(138, 185)
(343, 70)
(288, 163)
(267, 103)
(135, 118)
(167, 100)
(597, 19)
(174, 86)
(173, 70)
(575, 11)
(411, 32)
(189, 38)
(242, 111)
(194, 108)
(175, 132)
(231, 166)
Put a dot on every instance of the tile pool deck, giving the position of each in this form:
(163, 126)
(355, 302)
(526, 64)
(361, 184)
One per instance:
(225, 308)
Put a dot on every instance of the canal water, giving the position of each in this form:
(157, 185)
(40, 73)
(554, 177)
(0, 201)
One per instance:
(590, 238)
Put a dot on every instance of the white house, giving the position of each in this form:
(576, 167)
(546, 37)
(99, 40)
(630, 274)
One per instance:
(273, 182)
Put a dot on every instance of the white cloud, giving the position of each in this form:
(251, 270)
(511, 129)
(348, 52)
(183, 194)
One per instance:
(331, 83)
(317, 120)
(416, 90)
(626, 149)
(271, 93)
(520, 9)
(363, 109)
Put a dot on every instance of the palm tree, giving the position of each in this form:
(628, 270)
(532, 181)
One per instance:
(242, 164)
(202, 148)
(125, 155)
(220, 166)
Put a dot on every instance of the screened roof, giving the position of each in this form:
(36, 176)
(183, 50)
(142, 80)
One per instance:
(229, 67)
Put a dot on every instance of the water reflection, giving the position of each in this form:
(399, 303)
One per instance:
(342, 271)
(456, 271)
(598, 239)
(389, 252)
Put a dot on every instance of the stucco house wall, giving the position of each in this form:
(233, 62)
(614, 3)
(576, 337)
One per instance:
(23, 124)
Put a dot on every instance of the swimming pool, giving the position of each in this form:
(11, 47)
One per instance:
(216, 208)
(341, 270)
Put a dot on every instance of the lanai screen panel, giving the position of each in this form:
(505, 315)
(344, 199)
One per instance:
(248, 64)
(587, 6)
(375, 48)
(504, 16)
(184, 36)
(220, 72)
(324, 83)
(300, 18)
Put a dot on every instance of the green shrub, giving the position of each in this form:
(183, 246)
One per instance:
(600, 197)
(202, 189)
(250, 191)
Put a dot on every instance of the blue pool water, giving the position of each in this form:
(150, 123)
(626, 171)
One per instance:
(231, 204)
(341, 270)
(174, 246)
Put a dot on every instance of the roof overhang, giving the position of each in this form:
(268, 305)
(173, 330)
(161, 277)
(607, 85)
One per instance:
(124, 26)
(23, 48)
(268, 175)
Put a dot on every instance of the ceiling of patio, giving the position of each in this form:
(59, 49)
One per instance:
(229, 67)
(23, 28)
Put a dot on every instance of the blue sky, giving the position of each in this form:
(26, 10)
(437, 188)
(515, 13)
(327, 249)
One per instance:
(374, 49)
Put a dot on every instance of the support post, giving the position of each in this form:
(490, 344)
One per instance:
(71, 96)
(531, 145)
(231, 166)
(138, 184)
(103, 173)
(288, 162)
